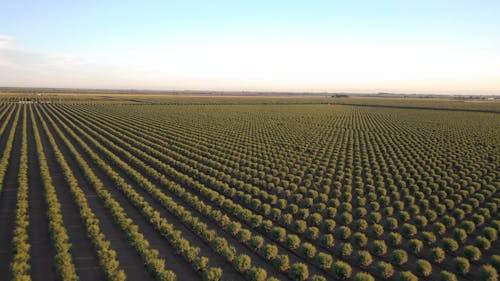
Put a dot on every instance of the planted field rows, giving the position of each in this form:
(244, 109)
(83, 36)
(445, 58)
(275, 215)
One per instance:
(247, 192)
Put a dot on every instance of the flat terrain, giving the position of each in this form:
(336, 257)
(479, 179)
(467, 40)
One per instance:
(154, 187)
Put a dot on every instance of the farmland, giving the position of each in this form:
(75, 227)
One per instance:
(178, 188)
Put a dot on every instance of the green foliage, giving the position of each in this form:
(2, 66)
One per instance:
(482, 243)
(257, 242)
(212, 274)
(488, 273)
(449, 245)
(278, 233)
(270, 251)
(324, 260)
(377, 230)
(299, 272)
(447, 276)
(407, 276)
(308, 250)
(257, 274)
(399, 257)
(495, 261)
(364, 258)
(345, 249)
(391, 223)
(244, 235)
(360, 239)
(439, 228)
(282, 263)
(327, 240)
(490, 233)
(423, 268)
(459, 234)
(379, 247)
(292, 241)
(344, 232)
(317, 277)
(409, 230)
(462, 265)
(346, 218)
(277, 171)
(363, 276)
(429, 238)
(395, 239)
(361, 225)
(384, 270)
(341, 270)
(242, 263)
(472, 253)
(64, 262)
(415, 246)
(438, 254)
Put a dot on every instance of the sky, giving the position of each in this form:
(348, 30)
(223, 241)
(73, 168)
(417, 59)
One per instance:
(436, 46)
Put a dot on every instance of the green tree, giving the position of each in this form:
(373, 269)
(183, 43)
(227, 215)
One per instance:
(345, 249)
(379, 247)
(447, 276)
(364, 258)
(462, 265)
(407, 276)
(341, 270)
(299, 272)
(257, 274)
(292, 241)
(449, 244)
(242, 263)
(399, 257)
(212, 274)
(327, 241)
(488, 273)
(270, 251)
(363, 276)
(416, 246)
(423, 268)
(495, 261)
(472, 253)
(438, 255)
(282, 263)
(308, 250)
(384, 269)
(324, 260)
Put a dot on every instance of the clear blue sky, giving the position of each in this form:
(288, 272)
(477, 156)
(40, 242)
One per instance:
(420, 46)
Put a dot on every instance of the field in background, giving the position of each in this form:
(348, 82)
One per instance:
(481, 105)
(155, 187)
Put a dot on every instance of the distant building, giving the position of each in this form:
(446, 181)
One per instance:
(339, 96)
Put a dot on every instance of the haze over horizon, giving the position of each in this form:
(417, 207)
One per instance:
(426, 46)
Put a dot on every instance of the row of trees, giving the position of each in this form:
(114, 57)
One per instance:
(6, 155)
(60, 238)
(219, 244)
(268, 251)
(304, 247)
(153, 262)
(410, 225)
(107, 256)
(175, 237)
(213, 161)
(21, 261)
(356, 224)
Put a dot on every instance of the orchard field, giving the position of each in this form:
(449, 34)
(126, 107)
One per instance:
(248, 189)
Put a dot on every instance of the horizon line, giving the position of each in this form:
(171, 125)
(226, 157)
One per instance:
(214, 91)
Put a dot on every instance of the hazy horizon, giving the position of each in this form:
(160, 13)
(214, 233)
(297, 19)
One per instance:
(445, 47)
